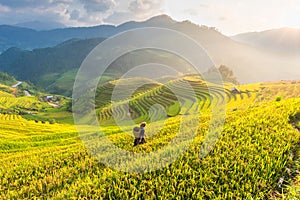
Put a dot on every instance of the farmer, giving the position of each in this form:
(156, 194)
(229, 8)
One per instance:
(139, 134)
(142, 132)
(136, 133)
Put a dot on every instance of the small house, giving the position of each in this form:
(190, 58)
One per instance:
(48, 98)
(235, 91)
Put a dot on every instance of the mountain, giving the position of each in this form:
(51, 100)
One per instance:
(28, 38)
(285, 40)
(11, 36)
(43, 66)
(25, 38)
(39, 25)
(55, 68)
(49, 67)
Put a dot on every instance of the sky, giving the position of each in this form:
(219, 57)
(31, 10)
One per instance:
(228, 16)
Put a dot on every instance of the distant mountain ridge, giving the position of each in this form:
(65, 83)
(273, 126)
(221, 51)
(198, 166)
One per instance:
(41, 25)
(26, 38)
(280, 40)
(46, 66)
(23, 37)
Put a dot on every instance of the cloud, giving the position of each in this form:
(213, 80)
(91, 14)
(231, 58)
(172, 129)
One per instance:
(118, 17)
(222, 18)
(18, 11)
(41, 10)
(24, 3)
(4, 8)
(90, 12)
(194, 10)
(33, 3)
(144, 5)
(98, 5)
(78, 12)
(75, 14)
(191, 12)
(229, 16)
(137, 10)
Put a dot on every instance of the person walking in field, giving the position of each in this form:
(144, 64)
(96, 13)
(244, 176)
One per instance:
(142, 132)
(139, 134)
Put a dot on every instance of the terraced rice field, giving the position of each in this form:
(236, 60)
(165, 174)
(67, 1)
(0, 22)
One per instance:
(11, 104)
(187, 95)
(256, 147)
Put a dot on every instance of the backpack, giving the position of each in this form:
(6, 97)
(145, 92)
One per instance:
(136, 132)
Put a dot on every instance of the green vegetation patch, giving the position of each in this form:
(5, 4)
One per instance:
(7, 79)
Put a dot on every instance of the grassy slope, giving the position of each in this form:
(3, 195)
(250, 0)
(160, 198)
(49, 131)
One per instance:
(53, 115)
(43, 160)
(10, 102)
(125, 86)
(6, 79)
(63, 82)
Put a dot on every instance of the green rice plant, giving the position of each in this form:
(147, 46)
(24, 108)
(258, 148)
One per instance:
(49, 161)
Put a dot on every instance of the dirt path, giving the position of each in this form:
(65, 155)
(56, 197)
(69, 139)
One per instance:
(53, 105)
(27, 93)
(17, 84)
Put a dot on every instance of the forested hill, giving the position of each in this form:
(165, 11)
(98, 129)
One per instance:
(32, 65)
(47, 66)
(25, 38)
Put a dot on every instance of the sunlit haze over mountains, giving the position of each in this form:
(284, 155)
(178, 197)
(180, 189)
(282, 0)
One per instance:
(230, 17)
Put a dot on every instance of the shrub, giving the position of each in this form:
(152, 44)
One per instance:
(278, 99)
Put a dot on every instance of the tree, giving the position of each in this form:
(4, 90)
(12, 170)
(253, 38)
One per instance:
(226, 73)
